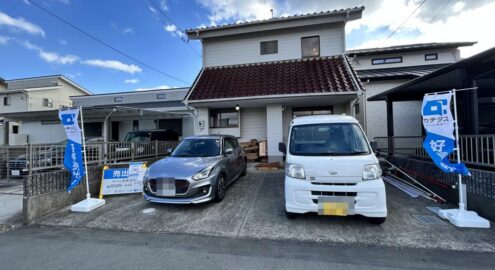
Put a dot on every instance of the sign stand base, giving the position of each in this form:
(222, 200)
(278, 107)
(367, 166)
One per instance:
(464, 218)
(87, 205)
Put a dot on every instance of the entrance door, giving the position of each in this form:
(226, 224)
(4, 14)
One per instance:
(115, 131)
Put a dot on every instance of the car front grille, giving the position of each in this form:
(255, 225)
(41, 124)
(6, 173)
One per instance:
(181, 186)
(332, 193)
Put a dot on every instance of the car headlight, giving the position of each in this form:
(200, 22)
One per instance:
(372, 172)
(295, 171)
(203, 173)
(146, 176)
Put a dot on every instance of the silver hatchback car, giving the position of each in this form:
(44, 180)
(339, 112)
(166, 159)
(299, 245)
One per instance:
(198, 170)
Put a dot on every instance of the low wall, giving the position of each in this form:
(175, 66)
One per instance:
(480, 186)
(46, 192)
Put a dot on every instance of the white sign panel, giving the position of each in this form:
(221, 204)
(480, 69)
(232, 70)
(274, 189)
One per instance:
(123, 180)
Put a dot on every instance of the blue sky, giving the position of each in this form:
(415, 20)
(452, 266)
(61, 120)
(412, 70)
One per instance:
(32, 43)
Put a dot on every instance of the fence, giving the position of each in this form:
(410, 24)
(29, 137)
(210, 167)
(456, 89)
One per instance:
(18, 161)
(476, 150)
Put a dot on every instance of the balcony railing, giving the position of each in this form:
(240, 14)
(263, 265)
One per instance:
(476, 150)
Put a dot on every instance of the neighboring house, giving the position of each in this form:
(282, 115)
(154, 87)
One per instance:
(381, 69)
(257, 76)
(33, 95)
(113, 115)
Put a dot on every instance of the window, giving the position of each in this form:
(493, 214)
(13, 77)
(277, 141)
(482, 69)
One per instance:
(227, 144)
(6, 101)
(431, 56)
(311, 111)
(269, 47)
(135, 125)
(47, 102)
(118, 99)
(310, 46)
(161, 96)
(15, 129)
(224, 118)
(388, 60)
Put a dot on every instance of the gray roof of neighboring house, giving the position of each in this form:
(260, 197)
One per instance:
(398, 72)
(25, 84)
(409, 47)
(347, 14)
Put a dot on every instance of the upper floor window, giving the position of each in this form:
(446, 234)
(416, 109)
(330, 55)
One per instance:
(431, 56)
(388, 60)
(224, 118)
(269, 47)
(47, 102)
(6, 101)
(310, 46)
(161, 96)
(118, 99)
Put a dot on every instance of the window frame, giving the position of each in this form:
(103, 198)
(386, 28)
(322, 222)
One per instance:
(161, 96)
(431, 54)
(319, 46)
(118, 99)
(219, 111)
(266, 42)
(8, 99)
(384, 59)
(46, 102)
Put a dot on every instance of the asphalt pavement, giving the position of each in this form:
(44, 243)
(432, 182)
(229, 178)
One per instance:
(66, 248)
(254, 209)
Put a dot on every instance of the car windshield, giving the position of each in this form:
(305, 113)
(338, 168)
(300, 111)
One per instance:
(336, 139)
(197, 148)
(138, 137)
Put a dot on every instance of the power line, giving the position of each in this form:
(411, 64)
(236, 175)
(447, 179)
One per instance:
(442, 8)
(156, 7)
(105, 43)
(404, 22)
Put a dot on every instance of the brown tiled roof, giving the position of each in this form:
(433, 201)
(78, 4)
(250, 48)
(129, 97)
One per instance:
(301, 76)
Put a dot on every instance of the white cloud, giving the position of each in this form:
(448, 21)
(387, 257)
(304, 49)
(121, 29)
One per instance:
(172, 29)
(153, 10)
(128, 30)
(63, 42)
(163, 5)
(113, 64)
(222, 11)
(131, 81)
(20, 24)
(458, 6)
(4, 40)
(74, 75)
(154, 88)
(51, 57)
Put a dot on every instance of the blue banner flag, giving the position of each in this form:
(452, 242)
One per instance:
(73, 159)
(439, 125)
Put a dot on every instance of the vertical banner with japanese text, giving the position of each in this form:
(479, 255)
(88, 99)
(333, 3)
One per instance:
(439, 125)
(73, 159)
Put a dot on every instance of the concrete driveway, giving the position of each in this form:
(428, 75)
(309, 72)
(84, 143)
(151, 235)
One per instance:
(10, 204)
(253, 208)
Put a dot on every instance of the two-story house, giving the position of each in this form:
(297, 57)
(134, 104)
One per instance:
(257, 76)
(32, 95)
(381, 69)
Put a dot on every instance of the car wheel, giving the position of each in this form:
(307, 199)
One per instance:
(220, 189)
(376, 221)
(290, 215)
(244, 169)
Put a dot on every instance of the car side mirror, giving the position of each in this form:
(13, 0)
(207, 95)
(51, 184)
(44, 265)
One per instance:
(282, 147)
(170, 150)
(228, 151)
(374, 146)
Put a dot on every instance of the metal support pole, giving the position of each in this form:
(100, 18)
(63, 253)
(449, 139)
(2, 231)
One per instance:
(88, 195)
(462, 199)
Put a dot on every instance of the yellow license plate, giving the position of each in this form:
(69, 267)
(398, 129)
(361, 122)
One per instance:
(333, 208)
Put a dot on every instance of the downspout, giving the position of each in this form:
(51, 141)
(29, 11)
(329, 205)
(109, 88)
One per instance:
(359, 93)
(105, 125)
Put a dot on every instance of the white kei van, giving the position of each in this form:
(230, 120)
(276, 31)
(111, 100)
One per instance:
(331, 169)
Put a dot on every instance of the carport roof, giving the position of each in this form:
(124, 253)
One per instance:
(307, 76)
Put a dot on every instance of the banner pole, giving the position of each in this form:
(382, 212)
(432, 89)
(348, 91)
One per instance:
(88, 195)
(462, 200)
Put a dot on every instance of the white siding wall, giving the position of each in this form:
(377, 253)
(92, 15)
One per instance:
(187, 126)
(287, 118)
(203, 115)
(39, 133)
(274, 120)
(246, 48)
(407, 115)
(408, 59)
(18, 103)
(253, 124)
